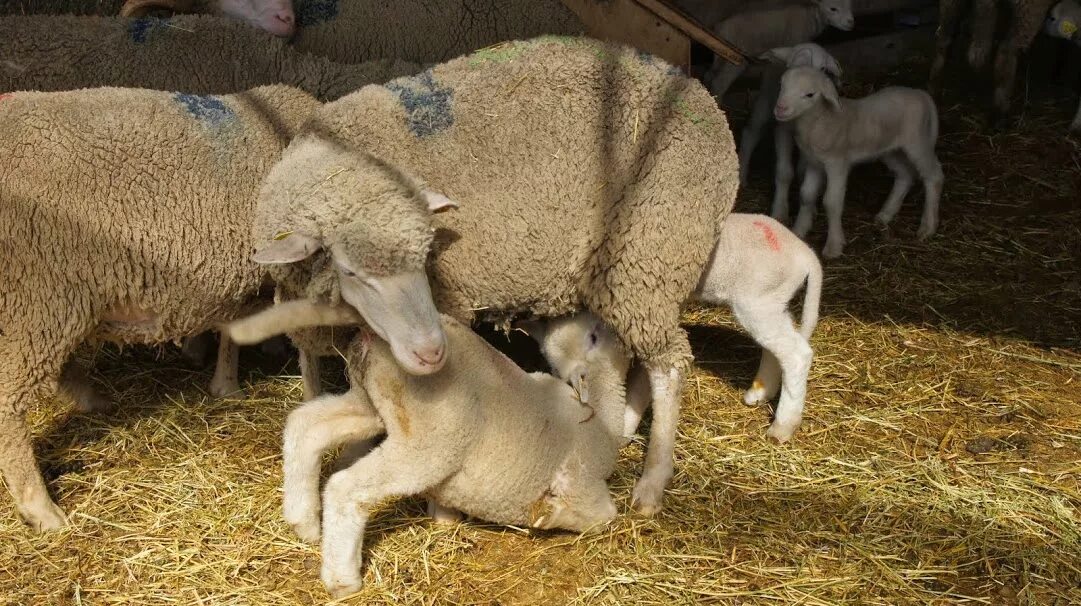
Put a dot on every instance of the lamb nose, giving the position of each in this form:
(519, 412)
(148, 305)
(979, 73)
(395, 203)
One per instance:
(286, 17)
(430, 355)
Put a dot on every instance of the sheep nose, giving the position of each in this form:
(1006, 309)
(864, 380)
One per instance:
(431, 355)
(286, 17)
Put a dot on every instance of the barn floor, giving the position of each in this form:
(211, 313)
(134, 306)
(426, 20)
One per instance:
(939, 462)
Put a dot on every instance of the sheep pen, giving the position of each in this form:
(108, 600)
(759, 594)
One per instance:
(939, 461)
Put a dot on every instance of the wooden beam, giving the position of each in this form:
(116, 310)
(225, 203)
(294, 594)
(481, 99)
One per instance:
(628, 22)
(695, 30)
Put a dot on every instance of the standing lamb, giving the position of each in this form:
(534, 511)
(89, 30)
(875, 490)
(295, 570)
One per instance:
(144, 240)
(755, 32)
(614, 207)
(273, 16)
(801, 55)
(481, 436)
(896, 125)
(195, 54)
(757, 267)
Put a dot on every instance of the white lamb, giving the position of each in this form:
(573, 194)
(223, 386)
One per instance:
(1063, 22)
(801, 55)
(480, 435)
(757, 267)
(756, 31)
(897, 125)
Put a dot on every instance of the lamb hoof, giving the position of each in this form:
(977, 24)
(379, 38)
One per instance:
(94, 403)
(924, 233)
(833, 250)
(46, 517)
(340, 586)
(646, 499)
(755, 395)
(220, 389)
(308, 531)
(781, 433)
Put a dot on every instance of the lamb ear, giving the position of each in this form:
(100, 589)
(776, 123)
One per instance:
(437, 202)
(829, 93)
(832, 67)
(289, 249)
(804, 54)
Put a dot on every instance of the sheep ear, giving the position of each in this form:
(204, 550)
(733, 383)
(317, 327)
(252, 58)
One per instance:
(777, 55)
(829, 93)
(805, 54)
(437, 202)
(140, 8)
(290, 248)
(832, 67)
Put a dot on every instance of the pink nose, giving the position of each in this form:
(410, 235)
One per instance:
(431, 356)
(286, 17)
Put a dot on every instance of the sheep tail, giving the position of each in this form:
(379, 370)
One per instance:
(289, 317)
(811, 300)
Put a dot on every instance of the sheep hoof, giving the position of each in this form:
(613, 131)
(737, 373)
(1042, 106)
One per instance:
(220, 389)
(45, 517)
(781, 433)
(340, 586)
(833, 250)
(924, 233)
(755, 396)
(646, 499)
(308, 531)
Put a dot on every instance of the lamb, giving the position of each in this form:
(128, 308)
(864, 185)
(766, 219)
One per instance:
(273, 16)
(757, 266)
(897, 125)
(143, 240)
(605, 208)
(756, 32)
(801, 55)
(480, 436)
(1026, 19)
(196, 54)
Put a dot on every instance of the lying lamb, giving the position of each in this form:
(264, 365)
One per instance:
(197, 54)
(143, 240)
(612, 208)
(801, 55)
(897, 125)
(755, 32)
(273, 16)
(481, 436)
(757, 267)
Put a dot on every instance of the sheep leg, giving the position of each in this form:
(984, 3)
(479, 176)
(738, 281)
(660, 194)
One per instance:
(984, 19)
(21, 473)
(726, 75)
(767, 381)
(639, 398)
(1075, 126)
(772, 328)
(834, 202)
(784, 144)
(392, 470)
(930, 170)
(809, 191)
(443, 515)
(194, 349)
(225, 381)
(76, 387)
(310, 375)
(949, 17)
(666, 385)
(311, 430)
(1022, 32)
(902, 183)
(752, 134)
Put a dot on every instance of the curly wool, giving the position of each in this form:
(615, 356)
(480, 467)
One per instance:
(424, 31)
(193, 53)
(589, 175)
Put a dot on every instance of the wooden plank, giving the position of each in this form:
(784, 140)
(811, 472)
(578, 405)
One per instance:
(695, 30)
(627, 22)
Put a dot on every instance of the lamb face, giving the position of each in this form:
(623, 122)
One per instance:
(802, 88)
(838, 13)
(1064, 20)
(274, 16)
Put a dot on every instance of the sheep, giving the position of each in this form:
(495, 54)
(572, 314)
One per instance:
(755, 32)
(127, 217)
(196, 54)
(273, 16)
(801, 55)
(1063, 22)
(614, 206)
(757, 266)
(897, 125)
(480, 436)
(1026, 19)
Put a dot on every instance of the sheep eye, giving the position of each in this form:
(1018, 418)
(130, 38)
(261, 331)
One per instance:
(593, 338)
(348, 273)
(833, 9)
(809, 95)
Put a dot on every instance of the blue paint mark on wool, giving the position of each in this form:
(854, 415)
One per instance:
(427, 106)
(205, 108)
(314, 12)
(139, 29)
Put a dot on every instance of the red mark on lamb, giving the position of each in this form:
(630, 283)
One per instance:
(771, 238)
(6, 96)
